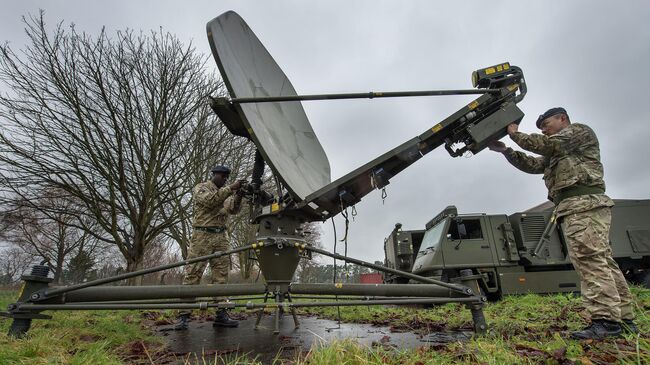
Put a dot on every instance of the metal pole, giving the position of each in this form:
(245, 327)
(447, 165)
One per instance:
(205, 305)
(545, 235)
(147, 301)
(260, 313)
(126, 306)
(57, 291)
(278, 313)
(364, 303)
(123, 293)
(386, 290)
(457, 288)
(368, 95)
(293, 312)
(328, 297)
(299, 298)
(172, 300)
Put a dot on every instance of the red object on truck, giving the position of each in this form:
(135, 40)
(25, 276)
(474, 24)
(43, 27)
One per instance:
(371, 278)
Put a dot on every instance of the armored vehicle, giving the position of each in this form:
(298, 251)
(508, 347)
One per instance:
(520, 253)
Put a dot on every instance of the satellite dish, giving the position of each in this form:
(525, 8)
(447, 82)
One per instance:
(264, 106)
(280, 130)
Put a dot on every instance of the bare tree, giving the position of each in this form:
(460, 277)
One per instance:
(49, 234)
(241, 233)
(110, 263)
(13, 263)
(109, 121)
(162, 252)
(306, 271)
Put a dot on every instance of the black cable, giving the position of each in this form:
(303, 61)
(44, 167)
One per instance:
(336, 297)
(334, 226)
(344, 214)
(258, 169)
(345, 242)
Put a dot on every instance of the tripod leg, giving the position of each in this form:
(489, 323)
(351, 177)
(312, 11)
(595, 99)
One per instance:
(293, 312)
(278, 313)
(261, 312)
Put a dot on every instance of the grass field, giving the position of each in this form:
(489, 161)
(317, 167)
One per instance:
(530, 329)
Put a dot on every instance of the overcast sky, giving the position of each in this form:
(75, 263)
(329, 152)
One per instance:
(590, 57)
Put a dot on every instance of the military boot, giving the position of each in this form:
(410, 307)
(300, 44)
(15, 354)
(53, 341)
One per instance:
(222, 319)
(598, 329)
(183, 322)
(628, 326)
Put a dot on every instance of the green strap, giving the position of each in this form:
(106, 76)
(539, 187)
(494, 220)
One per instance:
(576, 190)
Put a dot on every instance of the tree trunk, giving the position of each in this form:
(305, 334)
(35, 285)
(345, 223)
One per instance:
(244, 264)
(134, 264)
(184, 249)
(58, 270)
(60, 255)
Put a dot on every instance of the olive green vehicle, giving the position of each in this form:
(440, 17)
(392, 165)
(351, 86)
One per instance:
(521, 253)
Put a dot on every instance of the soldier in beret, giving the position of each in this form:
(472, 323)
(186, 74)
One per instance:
(212, 202)
(569, 159)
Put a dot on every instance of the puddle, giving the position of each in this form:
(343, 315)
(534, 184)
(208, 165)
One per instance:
(442, 338)
(202, 338)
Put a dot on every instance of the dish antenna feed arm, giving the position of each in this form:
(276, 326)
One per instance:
(490, 81)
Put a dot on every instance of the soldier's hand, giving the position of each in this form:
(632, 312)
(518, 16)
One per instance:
(512, 128)
(497, 146)
(245, 188)
(236, 185)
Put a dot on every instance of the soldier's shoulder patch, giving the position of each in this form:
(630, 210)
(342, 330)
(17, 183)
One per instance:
(201, 188)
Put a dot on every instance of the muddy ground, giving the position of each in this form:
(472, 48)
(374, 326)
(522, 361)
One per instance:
(202, 340)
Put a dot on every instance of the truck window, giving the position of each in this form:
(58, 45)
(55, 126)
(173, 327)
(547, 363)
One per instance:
(472, 227)
(432, 236)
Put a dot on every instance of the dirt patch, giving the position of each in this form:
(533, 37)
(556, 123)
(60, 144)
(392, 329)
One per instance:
(143, 352)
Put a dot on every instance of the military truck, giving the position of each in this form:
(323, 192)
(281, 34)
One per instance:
(520, 253)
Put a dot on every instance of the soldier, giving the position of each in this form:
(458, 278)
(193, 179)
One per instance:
(570, 161)
(213, 202)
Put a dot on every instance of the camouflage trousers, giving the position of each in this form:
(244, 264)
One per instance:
(205, 243)
(605, 293)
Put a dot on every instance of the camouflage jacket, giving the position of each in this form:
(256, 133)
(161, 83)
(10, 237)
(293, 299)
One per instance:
(569, 158)
(212, 204)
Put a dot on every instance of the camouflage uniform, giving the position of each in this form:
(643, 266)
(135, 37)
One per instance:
(211, 208)
(573, 173)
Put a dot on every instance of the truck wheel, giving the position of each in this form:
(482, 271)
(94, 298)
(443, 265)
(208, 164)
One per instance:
(644, 279)
(493, 297)
(397, 280)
